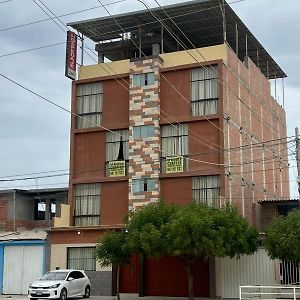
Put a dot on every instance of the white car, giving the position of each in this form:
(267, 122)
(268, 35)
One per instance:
(60, 284)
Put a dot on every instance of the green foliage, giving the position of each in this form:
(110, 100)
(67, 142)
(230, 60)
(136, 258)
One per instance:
(283, 237)
(113, 249)
(195, 230)
(147, 229)
(201, 231)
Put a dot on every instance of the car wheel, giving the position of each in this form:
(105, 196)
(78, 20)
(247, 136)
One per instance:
(87, 292)
(63, 294)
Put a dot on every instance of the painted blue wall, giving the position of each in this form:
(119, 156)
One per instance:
(19, 243)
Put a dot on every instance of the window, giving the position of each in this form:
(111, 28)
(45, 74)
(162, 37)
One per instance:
(204, 91)
(143, 185)
(143, 131)
(284, 210)
(89, 104)
(81, 259)
(206, 189)
(87, 204)
(174, 144)
(39, 209)
(116, 163)
(143, 79)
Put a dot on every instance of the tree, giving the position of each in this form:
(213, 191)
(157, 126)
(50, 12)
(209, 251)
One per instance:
(282, 239)
(113, 249)
(147, 229)
(199, 231)
(190, 232)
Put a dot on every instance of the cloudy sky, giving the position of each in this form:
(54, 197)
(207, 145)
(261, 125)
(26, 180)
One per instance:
(34, 135)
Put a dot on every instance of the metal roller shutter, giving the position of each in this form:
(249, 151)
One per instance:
(22, 265)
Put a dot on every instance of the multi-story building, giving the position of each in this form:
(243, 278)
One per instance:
(179, 109)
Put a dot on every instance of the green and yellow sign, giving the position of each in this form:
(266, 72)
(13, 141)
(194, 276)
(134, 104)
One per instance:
(116, 168)
(174, 164)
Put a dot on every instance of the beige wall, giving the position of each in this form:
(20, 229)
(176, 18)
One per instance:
(173, 59)
(59, 256)
(64, 219)
(200, 55)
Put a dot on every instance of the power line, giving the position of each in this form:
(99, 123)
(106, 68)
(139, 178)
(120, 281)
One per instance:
(103, 167)
(201, 64)
(48, 15)
(198, 153)
(32, 49)
(52, 18)
(64, 15)
(121, 28)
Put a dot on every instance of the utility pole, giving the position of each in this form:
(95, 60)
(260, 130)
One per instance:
(298, 157)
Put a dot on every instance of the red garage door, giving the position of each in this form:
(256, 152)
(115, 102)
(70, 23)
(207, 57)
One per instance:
(129, 277)
(166, 277)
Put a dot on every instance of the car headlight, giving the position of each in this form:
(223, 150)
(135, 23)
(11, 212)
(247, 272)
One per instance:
(54, 286)
(30, 285)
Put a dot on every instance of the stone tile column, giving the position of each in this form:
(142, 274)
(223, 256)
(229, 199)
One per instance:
(144, 109)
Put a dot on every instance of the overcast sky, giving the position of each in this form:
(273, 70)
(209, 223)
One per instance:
(34, 135)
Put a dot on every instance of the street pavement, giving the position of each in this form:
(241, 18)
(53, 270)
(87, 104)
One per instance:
(122, 296)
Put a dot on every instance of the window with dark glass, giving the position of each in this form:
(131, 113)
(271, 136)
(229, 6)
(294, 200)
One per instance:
(204, 91)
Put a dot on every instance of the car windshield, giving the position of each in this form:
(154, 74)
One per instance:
(55, 276)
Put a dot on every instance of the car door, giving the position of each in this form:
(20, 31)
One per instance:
(81, 282)
(74, 284)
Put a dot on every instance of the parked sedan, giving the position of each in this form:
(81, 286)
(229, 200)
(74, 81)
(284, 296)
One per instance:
(60, 284)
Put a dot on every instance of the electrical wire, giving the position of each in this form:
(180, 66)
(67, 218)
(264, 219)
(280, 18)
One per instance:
(64, 15)
(32, 49)
(201, 64)
(200, 161)
(93, 53)
(52, 18)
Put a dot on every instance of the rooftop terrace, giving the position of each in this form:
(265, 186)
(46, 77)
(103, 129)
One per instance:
(164, 29)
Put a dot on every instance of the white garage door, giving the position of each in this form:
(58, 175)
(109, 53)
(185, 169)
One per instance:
(22, 265)
(247, 270)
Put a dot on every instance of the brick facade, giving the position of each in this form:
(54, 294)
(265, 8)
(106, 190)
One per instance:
(251, 117)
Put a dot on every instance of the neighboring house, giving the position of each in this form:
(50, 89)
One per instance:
(30, 208)
(179, 125)
(25, 217)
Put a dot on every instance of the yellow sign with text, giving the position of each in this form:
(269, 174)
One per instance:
(174, 164)
(116, 168)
